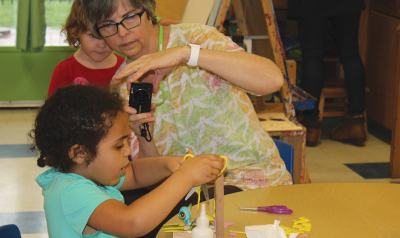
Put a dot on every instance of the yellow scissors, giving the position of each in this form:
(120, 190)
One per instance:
(203, 186)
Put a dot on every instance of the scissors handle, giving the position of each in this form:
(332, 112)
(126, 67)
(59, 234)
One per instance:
(278, 209)
(187, 155)
(225, 164)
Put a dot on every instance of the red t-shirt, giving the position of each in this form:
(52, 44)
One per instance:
(70, 71)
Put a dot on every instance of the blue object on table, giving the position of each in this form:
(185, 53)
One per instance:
(9, 231)
(287, 154)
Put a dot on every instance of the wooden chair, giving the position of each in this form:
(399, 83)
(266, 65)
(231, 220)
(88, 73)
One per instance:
(286, 152)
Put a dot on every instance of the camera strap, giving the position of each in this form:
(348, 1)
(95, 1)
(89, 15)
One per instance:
(144, 131)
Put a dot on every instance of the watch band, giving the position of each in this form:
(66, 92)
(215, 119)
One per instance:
(194, 54)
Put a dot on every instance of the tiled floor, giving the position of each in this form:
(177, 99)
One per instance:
(21, 201)
(326, 162)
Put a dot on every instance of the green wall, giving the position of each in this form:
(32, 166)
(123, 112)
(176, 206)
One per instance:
(26, 76)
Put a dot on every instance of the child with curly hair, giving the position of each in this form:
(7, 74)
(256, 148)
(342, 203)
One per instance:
(81, 132)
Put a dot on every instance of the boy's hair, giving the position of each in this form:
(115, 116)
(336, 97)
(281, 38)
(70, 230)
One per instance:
(75, 26)
(100, 10)
(76, 114)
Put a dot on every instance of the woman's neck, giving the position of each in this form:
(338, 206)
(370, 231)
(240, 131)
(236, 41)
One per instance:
(153, 46)
(86, 61)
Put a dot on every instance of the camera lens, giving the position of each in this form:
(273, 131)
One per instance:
(141, 96)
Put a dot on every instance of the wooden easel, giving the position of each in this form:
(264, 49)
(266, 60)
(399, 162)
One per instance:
(258, 20)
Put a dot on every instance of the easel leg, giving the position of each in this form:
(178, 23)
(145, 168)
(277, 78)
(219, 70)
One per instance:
(219, 206)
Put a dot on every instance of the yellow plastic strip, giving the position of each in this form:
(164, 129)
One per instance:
(238, 232)
(174, 224)
(198, 191)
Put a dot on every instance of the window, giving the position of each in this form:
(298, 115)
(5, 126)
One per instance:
(56, 12)
(8, 22)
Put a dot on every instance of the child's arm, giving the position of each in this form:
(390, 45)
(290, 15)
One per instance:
(144, 172)
(146, 213)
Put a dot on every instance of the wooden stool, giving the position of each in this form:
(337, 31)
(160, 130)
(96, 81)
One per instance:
(337, 108)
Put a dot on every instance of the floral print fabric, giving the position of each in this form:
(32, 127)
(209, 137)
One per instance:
(209, 115)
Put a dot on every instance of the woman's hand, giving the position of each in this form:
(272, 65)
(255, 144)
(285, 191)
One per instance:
(135, 120)
(161, 63)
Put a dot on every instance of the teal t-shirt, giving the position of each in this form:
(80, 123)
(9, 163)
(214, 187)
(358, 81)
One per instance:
(69, 201)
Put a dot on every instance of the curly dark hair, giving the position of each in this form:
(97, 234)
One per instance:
(76, 114)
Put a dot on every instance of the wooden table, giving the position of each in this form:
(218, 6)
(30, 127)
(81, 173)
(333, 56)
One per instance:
(335, 209)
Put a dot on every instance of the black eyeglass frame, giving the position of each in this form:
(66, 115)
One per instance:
(122, 24)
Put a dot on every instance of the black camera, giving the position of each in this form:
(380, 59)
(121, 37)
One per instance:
(140, 97)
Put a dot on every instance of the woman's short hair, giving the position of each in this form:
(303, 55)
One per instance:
(75, 26)
(100, 10)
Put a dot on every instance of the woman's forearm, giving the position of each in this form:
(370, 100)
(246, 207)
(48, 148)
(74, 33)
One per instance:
(147, 149)
(248, 71)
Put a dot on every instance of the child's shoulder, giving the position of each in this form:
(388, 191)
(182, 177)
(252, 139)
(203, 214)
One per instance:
(68, 62)
(52, 178)
(120, 60)
(54, 181)
(120, 57)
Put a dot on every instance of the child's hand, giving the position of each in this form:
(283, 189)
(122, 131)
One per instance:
(201, 169)
(176, 162)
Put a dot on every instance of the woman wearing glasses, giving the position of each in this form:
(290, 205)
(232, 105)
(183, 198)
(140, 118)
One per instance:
(202, 102)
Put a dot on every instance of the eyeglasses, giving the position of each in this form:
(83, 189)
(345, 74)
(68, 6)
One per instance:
(128, 22)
